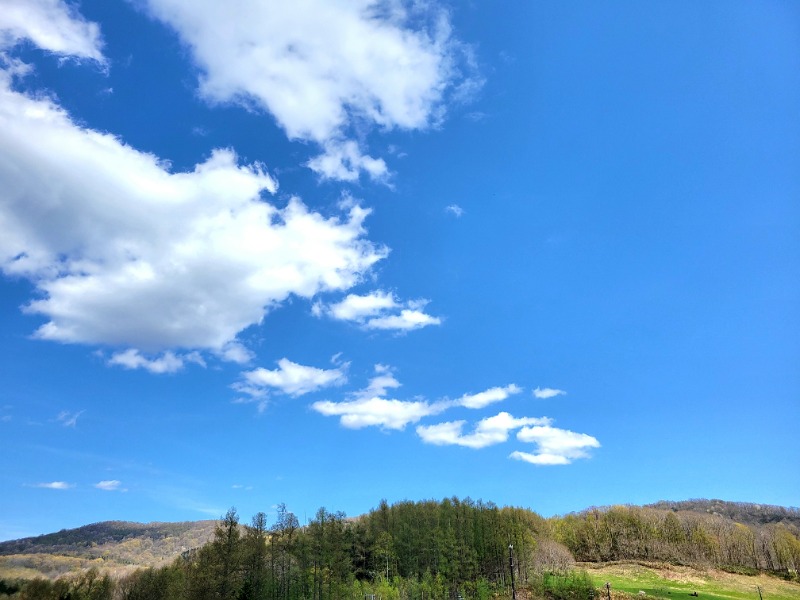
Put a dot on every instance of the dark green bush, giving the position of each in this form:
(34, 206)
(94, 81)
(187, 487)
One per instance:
(575, 584)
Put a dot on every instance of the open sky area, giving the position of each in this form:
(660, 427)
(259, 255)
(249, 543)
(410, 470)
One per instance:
(328, 252)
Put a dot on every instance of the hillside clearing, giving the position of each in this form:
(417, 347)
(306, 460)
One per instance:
(675, 582)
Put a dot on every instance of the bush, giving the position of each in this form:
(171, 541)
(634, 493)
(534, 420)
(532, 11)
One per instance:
(572, 585)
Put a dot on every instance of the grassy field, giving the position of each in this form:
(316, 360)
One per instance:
(680, 583)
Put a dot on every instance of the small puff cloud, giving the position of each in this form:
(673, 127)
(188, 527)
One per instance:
(374, 311)
(490, 396)
(55, 485)
(343, 161)
(368, 407)
(289, 378)
(545, 393)
(378, 412)
(554, 446)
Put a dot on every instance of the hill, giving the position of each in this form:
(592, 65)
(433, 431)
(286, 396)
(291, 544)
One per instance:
(740, 512)
(115, 546)
(455, 542)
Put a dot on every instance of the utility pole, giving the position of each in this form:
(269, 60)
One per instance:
(511, 567)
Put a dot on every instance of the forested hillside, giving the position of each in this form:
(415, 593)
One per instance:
(113, 546)
(121, 539)
(741, 512)
(438, 550)
(684, 537)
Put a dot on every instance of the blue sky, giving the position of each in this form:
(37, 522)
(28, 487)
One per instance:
(322, 253)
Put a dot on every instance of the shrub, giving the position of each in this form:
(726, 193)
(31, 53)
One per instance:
(574, 584)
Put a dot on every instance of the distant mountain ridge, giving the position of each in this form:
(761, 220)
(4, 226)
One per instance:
(113, 546)
(88, 538)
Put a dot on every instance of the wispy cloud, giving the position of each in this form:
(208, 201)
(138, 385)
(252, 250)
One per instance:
(544, 393)
(378, 385)
(455, 209)
(487, 432)
(379, 310)
(69, 419)
(168, 362)
(110, 485)
(554, 446)
(52, 25)
(54, 485)
(371, 406)
(490, 396)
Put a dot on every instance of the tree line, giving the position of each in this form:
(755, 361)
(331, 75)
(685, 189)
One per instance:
(429, 550)
(680, 537)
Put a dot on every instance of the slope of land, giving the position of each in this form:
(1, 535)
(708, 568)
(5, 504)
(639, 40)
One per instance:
(113, 546)
(671, 582)
(456, 542)
(741, 512)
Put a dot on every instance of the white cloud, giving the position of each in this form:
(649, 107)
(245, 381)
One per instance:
(379, 412)
(168, 362)
(482, 399)
(554, 446)
(369, 407)
(358, 308)
(541, 459)
(68, 419)
(384, 380)
(343, 161)
(235, 352)
(289, 378)
(373, 311)
(126, 254)
(325, 68)
(545, 393)
(110, 485)
(55, 485)
(487, 432)
(52, 25)
(407, 320)
(455, 209)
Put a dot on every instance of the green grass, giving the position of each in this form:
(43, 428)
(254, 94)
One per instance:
(678, 583)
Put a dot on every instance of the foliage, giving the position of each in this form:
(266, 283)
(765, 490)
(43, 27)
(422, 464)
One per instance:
(574, 584)
(429, 550)
(689, 538)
